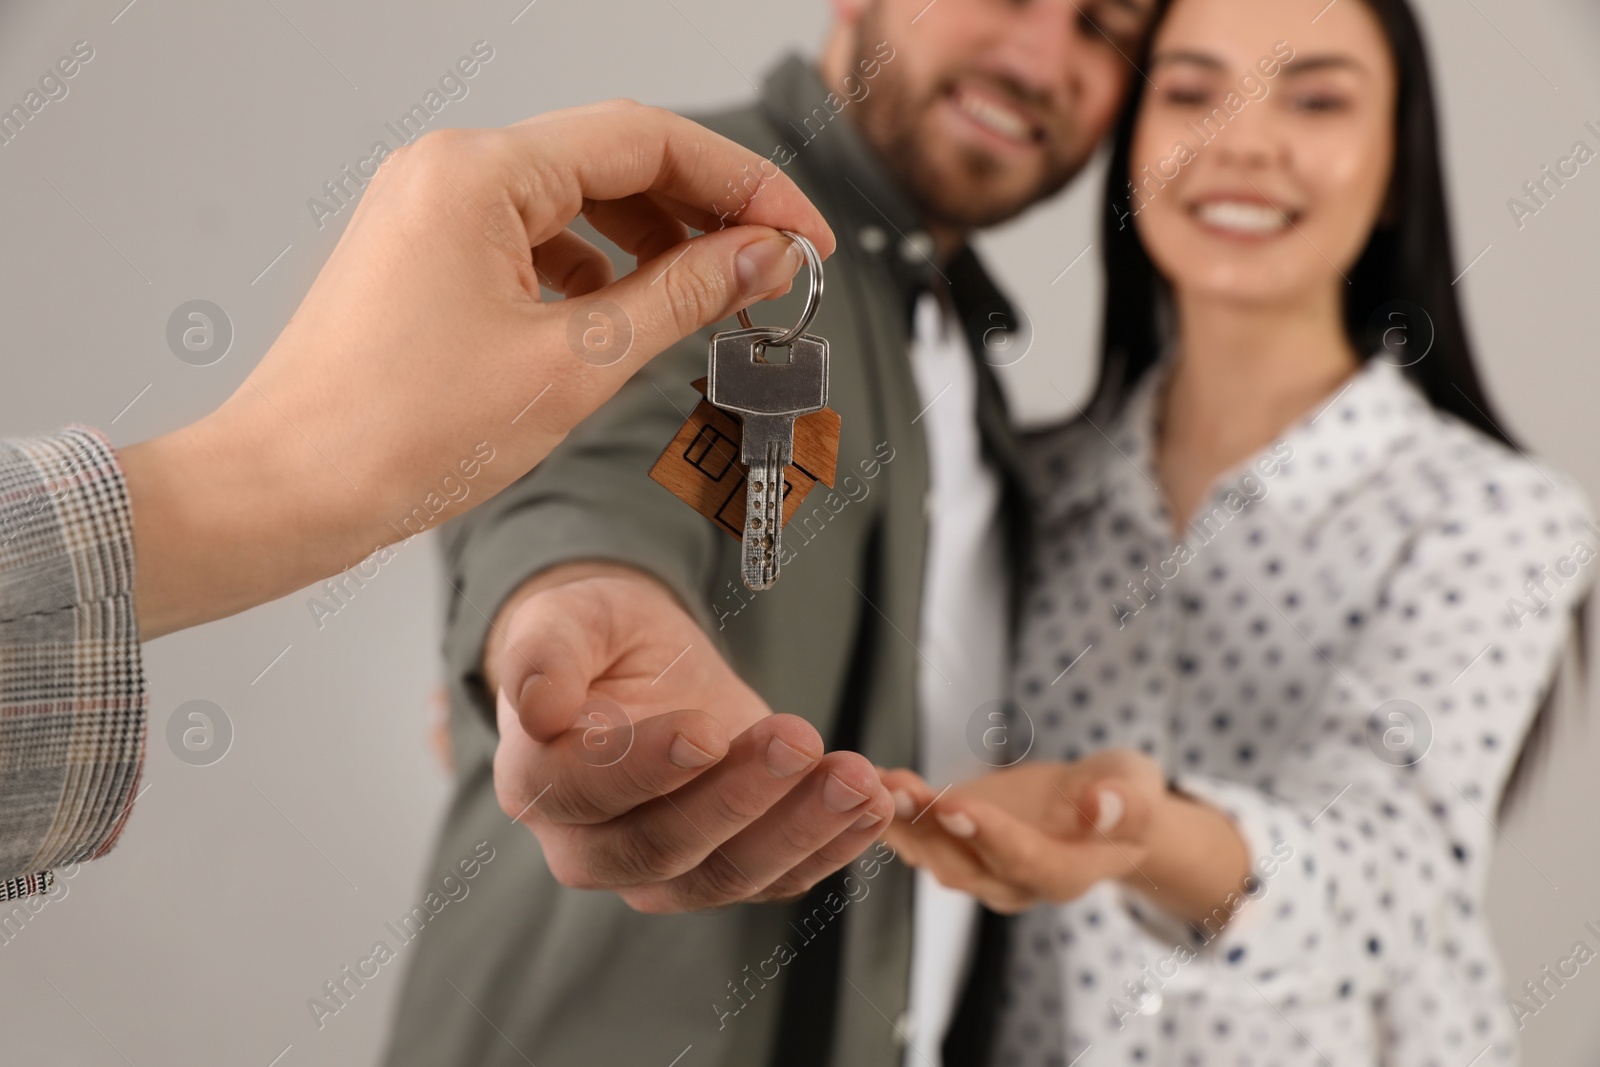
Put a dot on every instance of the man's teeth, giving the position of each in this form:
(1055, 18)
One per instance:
(1001, 120)
(1242, 217)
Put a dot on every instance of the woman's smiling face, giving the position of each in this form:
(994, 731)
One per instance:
(1269, 143)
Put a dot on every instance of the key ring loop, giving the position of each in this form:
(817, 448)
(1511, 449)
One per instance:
(813, 294)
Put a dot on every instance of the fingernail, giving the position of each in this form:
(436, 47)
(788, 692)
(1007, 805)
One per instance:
(1111, 809)
(685, 754)
(866, 821)
(765, 265)
(784, 760)
(904, 806)
(528, 683)
(838, 797)
(957, 823)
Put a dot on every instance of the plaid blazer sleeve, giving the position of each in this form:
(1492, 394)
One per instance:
(72, 690)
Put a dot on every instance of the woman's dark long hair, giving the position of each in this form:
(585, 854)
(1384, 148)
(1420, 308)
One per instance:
(1408, 265)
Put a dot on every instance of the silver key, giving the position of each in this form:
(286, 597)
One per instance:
(767, 397)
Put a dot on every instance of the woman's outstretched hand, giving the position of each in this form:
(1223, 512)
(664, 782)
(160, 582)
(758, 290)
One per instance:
(1043, 832)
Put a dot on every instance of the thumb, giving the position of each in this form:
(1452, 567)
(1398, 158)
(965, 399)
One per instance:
(513, 754)
(1113, 808)
(1109, 808)
(700, 282)
(555, 655)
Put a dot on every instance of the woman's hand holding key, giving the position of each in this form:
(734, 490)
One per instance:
(424, 336)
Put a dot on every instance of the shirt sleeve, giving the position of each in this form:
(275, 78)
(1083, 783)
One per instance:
(1371, 841)
(72, 691)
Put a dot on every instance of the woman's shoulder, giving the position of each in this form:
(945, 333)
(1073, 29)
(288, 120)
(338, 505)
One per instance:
(1066, 463)
(1062, 462)
(1060, 447)
(1490, 500)
(1473, 472)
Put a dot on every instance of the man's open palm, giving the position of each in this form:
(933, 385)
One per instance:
(613, 639)
(643, 764)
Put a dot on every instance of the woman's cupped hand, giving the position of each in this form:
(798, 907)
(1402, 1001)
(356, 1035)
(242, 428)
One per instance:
(1037, 832)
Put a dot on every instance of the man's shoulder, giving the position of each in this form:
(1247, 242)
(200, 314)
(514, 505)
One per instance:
(746, 124)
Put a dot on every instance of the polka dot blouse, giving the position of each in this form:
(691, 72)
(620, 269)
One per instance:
(1343, 652)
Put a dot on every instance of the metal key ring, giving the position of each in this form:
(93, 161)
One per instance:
(813, 295)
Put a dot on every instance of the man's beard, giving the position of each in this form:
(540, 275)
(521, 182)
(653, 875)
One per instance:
(888, 118)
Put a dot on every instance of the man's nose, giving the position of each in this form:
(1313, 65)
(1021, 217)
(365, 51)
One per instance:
(1044, 48)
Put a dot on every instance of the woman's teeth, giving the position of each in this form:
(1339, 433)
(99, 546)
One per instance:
(1241, 217)
(994, 117)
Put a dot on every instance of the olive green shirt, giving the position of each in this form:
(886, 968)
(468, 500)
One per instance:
(526, 970)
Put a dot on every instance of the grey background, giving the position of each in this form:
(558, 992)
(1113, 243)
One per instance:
(178, 168)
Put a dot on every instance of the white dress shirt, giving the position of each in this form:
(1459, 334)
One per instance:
(963, 647)
(1343, 652)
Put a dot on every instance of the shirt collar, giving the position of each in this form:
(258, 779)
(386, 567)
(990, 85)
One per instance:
(1311, 469)
(1347, 442)
(869, 210)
